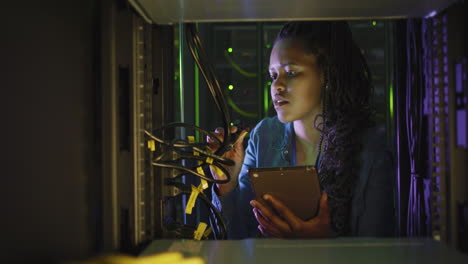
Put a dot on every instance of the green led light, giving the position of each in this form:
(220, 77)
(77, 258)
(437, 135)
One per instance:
(197, 101)
(231, 87)
(266, 102)
(232, 123)
(268, 46)
(390, 100)
(181, 100)
(374, 23)
(269, 83)
(229, 50)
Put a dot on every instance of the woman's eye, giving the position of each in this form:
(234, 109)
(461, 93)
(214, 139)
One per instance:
(290, 73)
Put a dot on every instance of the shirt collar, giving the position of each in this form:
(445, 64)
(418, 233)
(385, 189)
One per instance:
(288, 144)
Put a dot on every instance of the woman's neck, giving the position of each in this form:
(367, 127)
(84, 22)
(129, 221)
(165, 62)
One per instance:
(307, 141)
(307, 132)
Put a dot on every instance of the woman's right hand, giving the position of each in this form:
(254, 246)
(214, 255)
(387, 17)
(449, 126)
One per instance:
(236, 153)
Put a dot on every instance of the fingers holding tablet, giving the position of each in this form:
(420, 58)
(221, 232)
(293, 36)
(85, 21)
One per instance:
(270, 222)
(281, 222)
(284, 212)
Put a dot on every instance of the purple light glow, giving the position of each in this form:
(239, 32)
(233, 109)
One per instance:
(431, 14)
(462, 140)
(459, 78)
(461, 112)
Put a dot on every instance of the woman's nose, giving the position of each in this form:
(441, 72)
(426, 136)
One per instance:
(278, 86)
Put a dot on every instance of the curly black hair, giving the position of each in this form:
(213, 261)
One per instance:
(347, 111)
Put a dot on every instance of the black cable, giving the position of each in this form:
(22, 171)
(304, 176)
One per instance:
(195, 147)
(414, 115)
(201, 59)
(180, 230)
(179, 155)
(191, 171)
(219, 230)
(218, 218)
(169, 154)
(187, 189)
(178, 124)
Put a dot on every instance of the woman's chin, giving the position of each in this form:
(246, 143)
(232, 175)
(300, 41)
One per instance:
(284, 119)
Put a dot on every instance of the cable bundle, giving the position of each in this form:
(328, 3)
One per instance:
(201, 59)
(414, 116)
(195, 158)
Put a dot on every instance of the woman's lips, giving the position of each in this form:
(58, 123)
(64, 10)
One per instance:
(280, 102)
(283, 103)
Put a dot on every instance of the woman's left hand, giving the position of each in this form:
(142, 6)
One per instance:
(285, 224)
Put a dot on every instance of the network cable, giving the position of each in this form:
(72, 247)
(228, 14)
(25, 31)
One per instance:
(194, 158)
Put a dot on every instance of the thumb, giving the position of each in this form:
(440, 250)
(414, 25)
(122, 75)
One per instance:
(239, 141)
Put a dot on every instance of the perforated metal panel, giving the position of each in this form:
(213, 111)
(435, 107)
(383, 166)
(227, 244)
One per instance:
(143, 120)
(439, 127)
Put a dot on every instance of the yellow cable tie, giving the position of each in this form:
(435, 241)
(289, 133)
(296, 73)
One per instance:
(217, 170)
(209, 160)
(203, 182)
(191, 139)
(151, 145)
(200, 170)
(198, 234)
(207, 232)
(192, 200)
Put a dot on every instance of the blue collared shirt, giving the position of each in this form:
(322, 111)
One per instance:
(272, 144)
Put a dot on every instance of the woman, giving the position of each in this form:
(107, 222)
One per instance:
(321, 90)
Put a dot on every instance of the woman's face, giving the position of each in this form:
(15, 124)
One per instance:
(296, 82)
